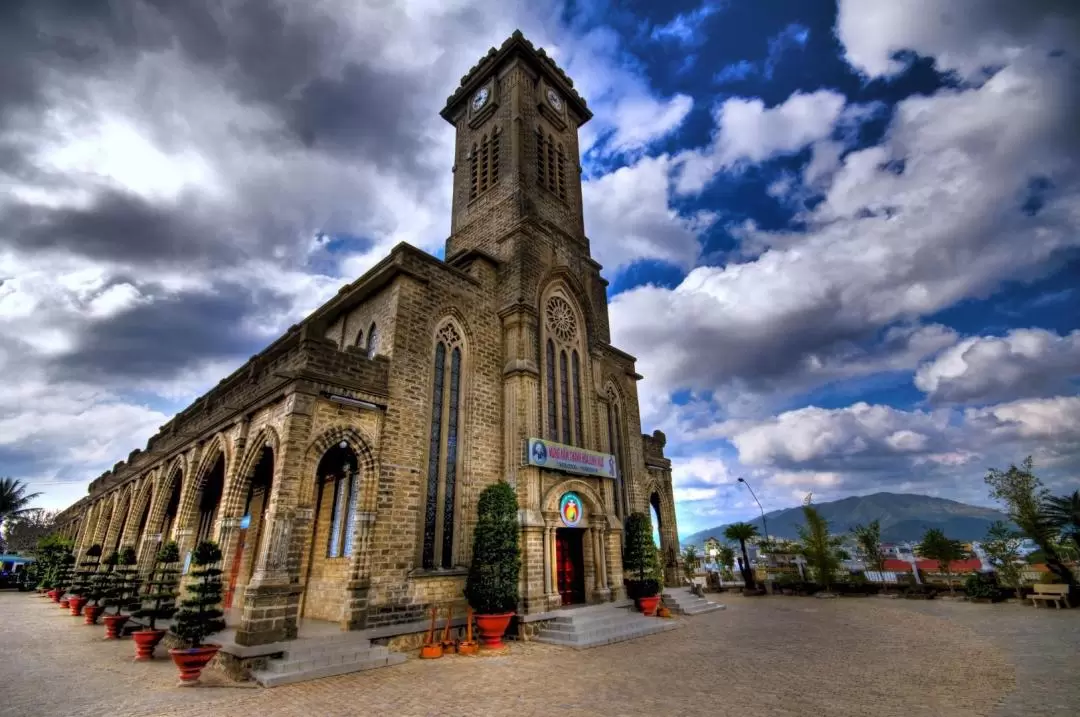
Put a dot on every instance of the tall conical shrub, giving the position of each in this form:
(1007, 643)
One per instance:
(159, 598)
(640, 558)
(492, 585)
(123, 587)
(85, 579)
(200, 614)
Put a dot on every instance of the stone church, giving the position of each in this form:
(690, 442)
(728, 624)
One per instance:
(340, 468)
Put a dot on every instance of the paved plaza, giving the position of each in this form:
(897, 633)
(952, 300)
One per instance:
(764, 656)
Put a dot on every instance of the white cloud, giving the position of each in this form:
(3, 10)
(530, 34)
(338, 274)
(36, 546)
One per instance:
(629, 216)
(964, 36)
(1023, 363)
(686, 28)
(748, 132)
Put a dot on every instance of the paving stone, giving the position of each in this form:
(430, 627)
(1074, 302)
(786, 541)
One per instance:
(775, 656)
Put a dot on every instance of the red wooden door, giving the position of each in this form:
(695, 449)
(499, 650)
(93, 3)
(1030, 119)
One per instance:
(570, 565)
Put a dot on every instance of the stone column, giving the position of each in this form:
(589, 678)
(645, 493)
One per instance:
(549, 539)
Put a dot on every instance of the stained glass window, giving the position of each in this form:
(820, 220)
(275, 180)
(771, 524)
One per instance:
(564, 394)
(552, 411)
(434, 457)
(577, 400)
(350, 513)
(451, 460)
(337, 516)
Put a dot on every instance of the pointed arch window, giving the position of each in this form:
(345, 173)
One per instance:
(484, 164)
(550, 164)
(616, 447)
(373, 340)
(562, 371)
(440, 503)
(338, 472)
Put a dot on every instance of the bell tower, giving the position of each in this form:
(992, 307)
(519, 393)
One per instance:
(516, 158)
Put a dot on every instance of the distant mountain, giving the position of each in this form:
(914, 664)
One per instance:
(903, 516)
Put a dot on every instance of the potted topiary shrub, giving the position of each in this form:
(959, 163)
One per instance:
(122, 593)
(492, 585)
(98, 584)
(159, 601)
(639, 562)
(62, 576)
(83, 577)
(200, 614)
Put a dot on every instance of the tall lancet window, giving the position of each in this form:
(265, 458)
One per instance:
(440, 504)
(617, 447)
(562, 373)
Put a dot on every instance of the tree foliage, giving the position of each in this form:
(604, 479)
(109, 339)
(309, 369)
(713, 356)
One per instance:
(159, 598)
(1024, 497)
(742, 532)
(691, 559)
(820, 549)
(1002, 548)
(1063, 512)
(492, 585)
(200, 613)
(937, 546)
(22, 532)
(640, 558)
(868, 538)
(14, 500)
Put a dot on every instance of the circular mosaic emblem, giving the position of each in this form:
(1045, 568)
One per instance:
(570, 509)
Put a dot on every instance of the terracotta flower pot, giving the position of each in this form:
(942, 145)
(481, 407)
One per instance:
(467, 648)
(492, 628)
(54, 595)
(76, 605)
(663, 611)
(431, 652)
(90, 614)
(65, 603)
(191, 661)
(113, 625)
(648, 605)
(145, 642)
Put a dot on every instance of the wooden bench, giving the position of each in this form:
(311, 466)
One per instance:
(1056, 594)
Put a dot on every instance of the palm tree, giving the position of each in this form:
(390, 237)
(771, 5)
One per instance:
(14, 501)
(743, 532)
(1063, 513)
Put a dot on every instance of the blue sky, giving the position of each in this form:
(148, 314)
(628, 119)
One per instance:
(841, 238)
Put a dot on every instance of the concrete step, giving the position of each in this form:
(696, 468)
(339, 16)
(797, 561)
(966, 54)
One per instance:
(684, 602)
(581, 629)
(313, 660)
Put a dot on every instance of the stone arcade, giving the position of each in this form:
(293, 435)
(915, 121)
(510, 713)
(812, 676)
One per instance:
(339, 469)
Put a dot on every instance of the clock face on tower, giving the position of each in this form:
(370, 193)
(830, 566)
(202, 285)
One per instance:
(480, 98)
(554, 100)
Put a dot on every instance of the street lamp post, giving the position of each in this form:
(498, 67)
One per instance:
(764, 523)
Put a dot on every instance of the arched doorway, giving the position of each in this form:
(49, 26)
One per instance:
(575, 545)
(668, 548)
(253, 518)
(210, 500)
(172, 508)
(337, 480)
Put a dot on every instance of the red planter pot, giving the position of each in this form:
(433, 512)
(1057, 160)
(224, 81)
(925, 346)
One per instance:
(191, 661)
(90, 614)
(54, 595)
(113, 625)
(65, 603)
(76, 605)
(145, 642)
(492, 628)
(647, 605)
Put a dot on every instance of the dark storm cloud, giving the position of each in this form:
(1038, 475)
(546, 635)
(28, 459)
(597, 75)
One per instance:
(159, 339)
(303, 71)
(122, 227)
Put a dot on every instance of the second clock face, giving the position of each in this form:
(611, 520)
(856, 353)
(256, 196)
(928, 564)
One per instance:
(553, 99)
(480, 98)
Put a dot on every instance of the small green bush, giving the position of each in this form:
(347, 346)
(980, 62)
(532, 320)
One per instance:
(200, 615)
